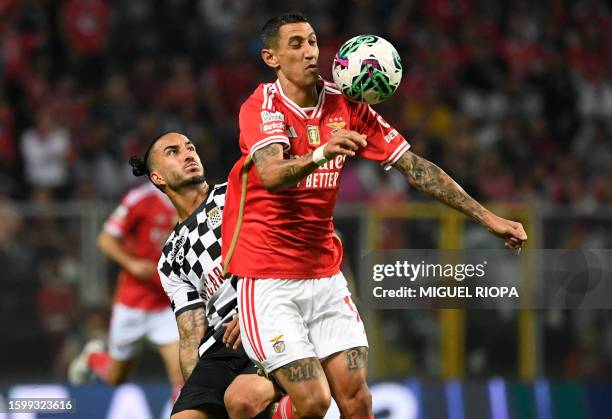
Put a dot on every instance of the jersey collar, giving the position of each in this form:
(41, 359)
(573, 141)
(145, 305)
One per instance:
(295, 108)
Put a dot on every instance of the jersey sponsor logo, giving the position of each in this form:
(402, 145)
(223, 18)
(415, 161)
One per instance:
(313, 135)
(271, 116)
(272, 127)
(391, 135)
(278, 344)
(214, 217)
(326, 176)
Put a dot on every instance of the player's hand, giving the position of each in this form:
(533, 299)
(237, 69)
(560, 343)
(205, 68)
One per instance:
(344, 143)
(231, 337)
(513, 232)
(142, 269)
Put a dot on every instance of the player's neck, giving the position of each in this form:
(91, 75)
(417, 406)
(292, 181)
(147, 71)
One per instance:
(188, 199)
(304, 97)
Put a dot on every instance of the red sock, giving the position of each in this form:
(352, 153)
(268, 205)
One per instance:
(99, 362)
(285, 409)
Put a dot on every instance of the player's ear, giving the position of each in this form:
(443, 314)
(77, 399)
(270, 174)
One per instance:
(268, 57)
(157, 179)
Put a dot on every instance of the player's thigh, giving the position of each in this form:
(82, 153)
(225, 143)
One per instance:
(346, 374)
(272, 328)
(305, 382)
(335, 324)
(128, 326)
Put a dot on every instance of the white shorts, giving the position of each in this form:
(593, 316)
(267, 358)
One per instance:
(282, 320)
(129, 325)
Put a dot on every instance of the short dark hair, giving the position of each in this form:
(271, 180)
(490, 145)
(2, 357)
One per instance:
(269, 32)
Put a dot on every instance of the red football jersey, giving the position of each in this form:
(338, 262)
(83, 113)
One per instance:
(290, 233)
(143, 221)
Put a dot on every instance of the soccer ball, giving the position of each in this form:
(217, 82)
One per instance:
(367, 69)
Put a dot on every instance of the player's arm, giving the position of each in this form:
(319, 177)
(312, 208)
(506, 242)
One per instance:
(277, 173)
(429, 178)
(191, 325)
(112, 247)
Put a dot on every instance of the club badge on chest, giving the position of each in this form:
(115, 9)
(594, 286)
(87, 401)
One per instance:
(314, 139)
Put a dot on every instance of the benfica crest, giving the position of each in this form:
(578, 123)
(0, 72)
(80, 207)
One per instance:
(313, 135)
(278, 344)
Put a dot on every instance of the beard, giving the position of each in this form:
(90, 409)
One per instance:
(193, 181)
(186, 183)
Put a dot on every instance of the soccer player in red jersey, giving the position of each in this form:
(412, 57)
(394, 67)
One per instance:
(133, 237)
(297, 318)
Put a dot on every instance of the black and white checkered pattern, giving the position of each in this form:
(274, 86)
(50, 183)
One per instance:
(190, 267)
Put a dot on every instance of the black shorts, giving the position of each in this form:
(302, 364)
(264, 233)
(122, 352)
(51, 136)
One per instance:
(205, 388)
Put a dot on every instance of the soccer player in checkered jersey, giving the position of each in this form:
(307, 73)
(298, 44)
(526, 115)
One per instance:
(296, 315)
(133, 237)
(220, 380)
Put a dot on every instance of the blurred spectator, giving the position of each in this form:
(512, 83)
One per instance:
(46, 152)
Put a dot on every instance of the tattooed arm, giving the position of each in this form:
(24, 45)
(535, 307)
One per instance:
(277, 173)
(429, 178)
(191, 325)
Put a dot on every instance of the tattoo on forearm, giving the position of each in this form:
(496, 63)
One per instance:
(302, 370)
(429, 178)
(283, 172)
(191, 325)
(356, 358)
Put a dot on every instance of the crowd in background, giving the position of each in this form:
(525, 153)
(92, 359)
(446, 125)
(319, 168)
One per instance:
(513, 99)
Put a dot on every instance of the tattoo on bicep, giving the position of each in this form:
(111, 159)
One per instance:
(302, 370)
(356, 358)
(263, 154)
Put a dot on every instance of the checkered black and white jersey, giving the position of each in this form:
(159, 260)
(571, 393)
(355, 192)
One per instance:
(190, 268)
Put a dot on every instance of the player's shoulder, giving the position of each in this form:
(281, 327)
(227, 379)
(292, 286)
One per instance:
(218, 193)
(260, 99)
(140, 193)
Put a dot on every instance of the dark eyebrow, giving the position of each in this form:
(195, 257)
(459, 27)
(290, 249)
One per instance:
(170, 147)
(300, 38)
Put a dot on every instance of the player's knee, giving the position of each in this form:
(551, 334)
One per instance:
(358, 403)
(242, 405)
(314, 407)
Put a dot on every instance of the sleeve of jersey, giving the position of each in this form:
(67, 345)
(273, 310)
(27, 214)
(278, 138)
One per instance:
(261, 125)
(182, 295)
(118, 223)
(385, 144)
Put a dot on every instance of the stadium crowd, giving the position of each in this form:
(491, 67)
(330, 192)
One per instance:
(513, 99)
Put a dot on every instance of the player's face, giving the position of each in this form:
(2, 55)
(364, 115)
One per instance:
(176, 163)
(296, 54)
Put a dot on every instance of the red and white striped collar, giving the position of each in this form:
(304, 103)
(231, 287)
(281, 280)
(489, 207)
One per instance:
(296, 109)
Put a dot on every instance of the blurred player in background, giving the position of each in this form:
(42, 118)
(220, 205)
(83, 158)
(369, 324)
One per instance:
(133, 237)
(300, 323)
(220, 378)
